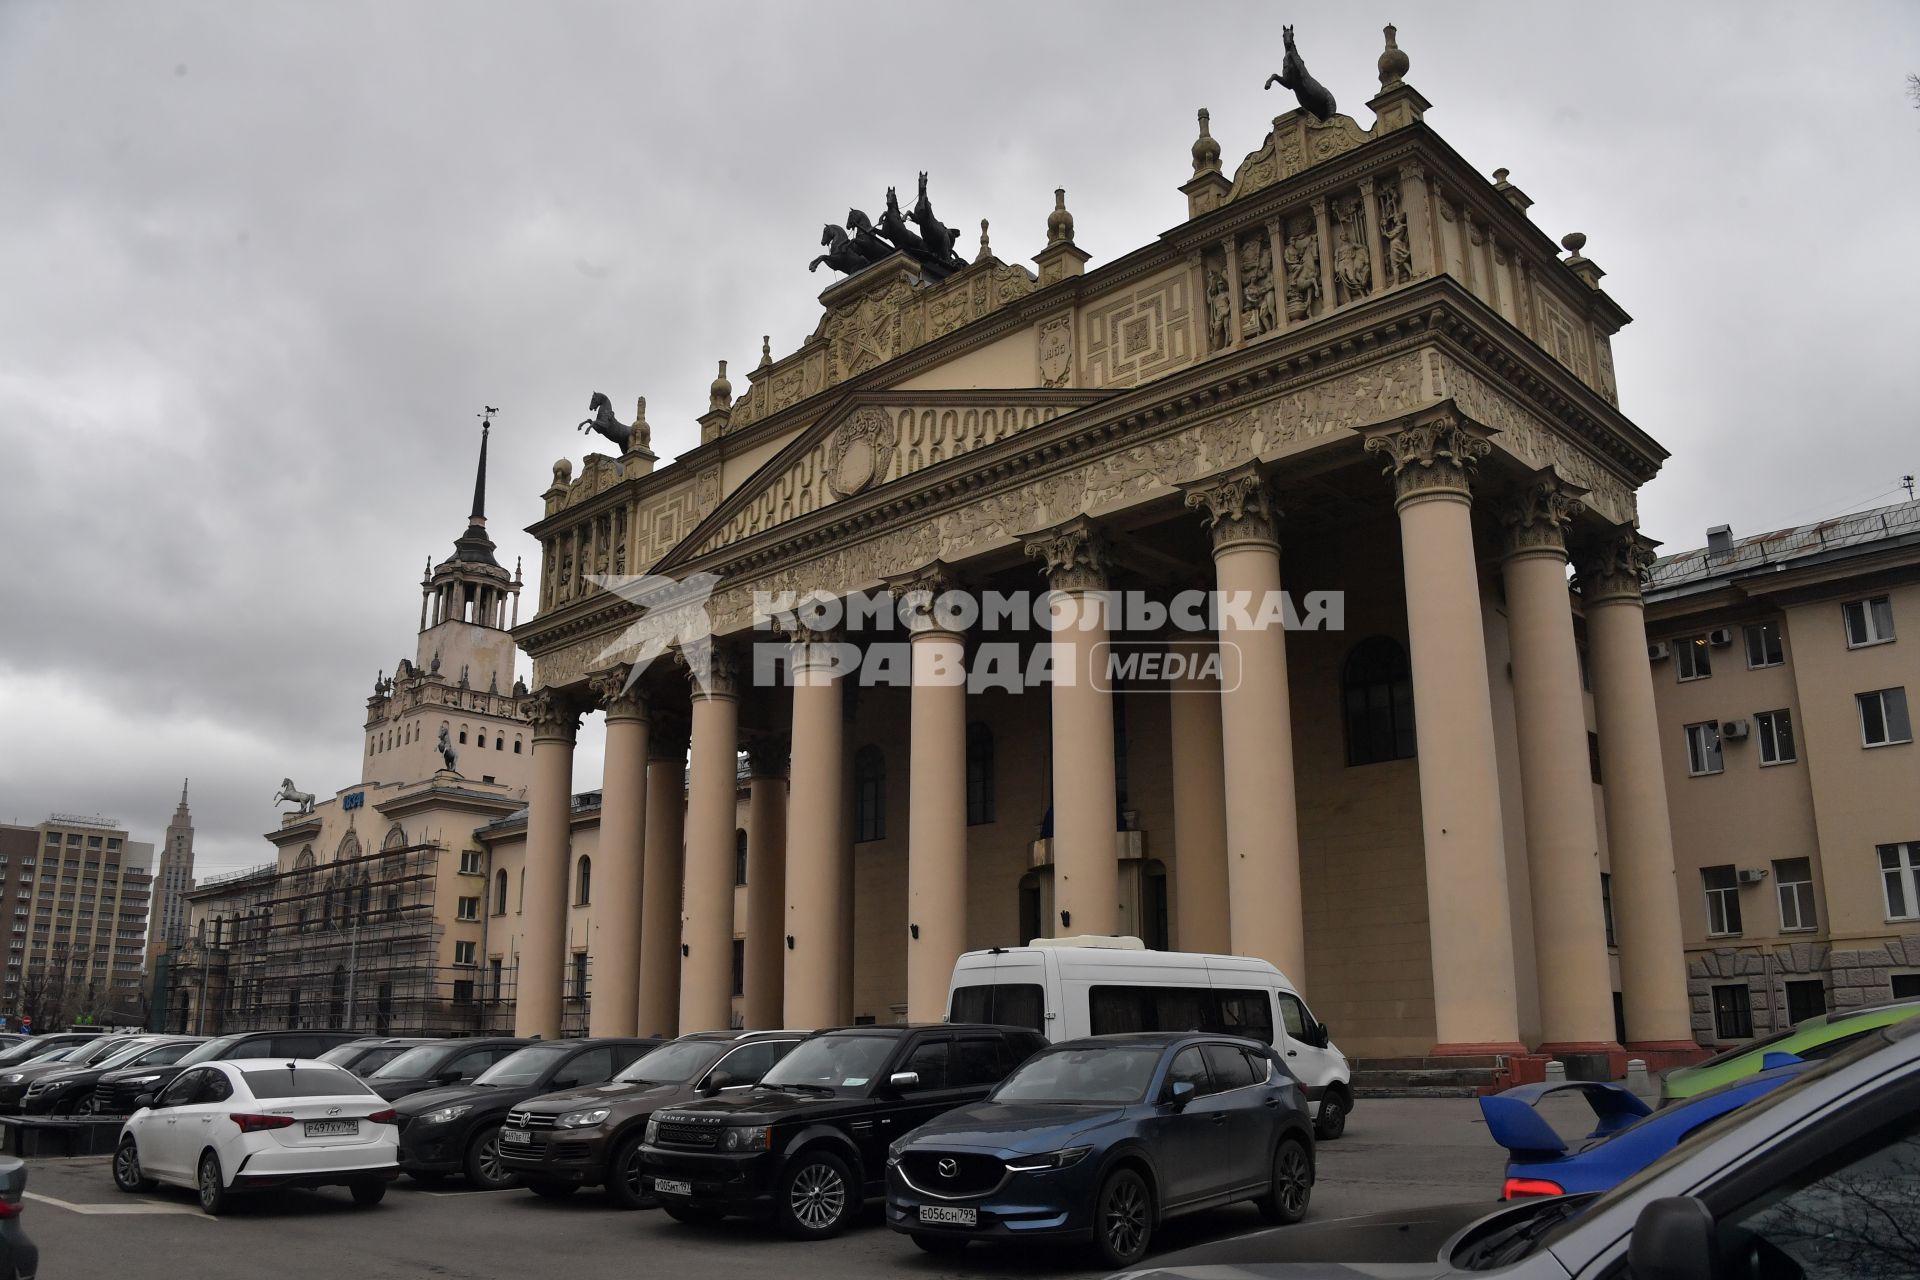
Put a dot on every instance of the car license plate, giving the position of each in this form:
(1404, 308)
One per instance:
(672, 1187)
(332, 1128)
(949, 1215)
(516, 1137)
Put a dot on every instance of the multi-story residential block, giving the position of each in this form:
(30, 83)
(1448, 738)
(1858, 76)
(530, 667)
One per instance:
(76, 898)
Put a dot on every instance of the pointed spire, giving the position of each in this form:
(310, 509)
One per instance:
(479, 515)
(474, 546)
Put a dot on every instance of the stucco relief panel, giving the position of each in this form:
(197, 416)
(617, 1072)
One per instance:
(1141, 334)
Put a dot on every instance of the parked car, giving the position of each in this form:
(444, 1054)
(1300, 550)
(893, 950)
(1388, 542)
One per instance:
(37, 1047)
(1100, 1140)
(15, 1081)
(587, 1137)
(1626, 1138)
(117, 1092)
(68, 1090)
(1068, 988)
(249, 1124)
(19, 1259)
(366, 1055)
(807, 1147)
(457, 1129)
(441, 1063)
(1819, 1178)
(1814, 1039)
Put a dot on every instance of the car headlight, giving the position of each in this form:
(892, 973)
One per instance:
(653, 1130)
(444, 1114)
(13, 1077)
(751, 1137)
(893, 1153)
(582, 1119)
(141, 1079)
(1051, 1160)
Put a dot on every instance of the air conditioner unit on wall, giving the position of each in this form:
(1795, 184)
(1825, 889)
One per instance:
(1720, 637)
(1734, 730)
(1657, 651)
(1752, 875)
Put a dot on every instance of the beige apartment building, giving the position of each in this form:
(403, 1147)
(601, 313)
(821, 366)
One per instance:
(77, 899)
(1783, 667)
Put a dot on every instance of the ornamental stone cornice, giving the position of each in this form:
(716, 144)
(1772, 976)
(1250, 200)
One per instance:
(1433, 454)
(1614, 566)
(1239, 507)
(1538, 515)
(553, 715)
(1074, 555)
(618, 697)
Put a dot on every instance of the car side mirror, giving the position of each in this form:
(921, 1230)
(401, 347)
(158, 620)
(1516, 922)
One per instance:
(1180, 1093)
(1322, 1036)
(1672, 1240)
(904, 1080)
(144, 1100)
(719, 1080)
(451, 1077)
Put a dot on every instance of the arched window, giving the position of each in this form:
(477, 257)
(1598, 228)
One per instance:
(583, 882)
(463, 735)
(305, 860)
(396, 837)
(516, 746)
(499, 744)
(349, 848)
(1377, 696)
(500, 892)
(740, 855)
(979, 775)
(870, 794)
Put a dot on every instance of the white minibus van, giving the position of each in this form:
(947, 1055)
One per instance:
(1066, 988)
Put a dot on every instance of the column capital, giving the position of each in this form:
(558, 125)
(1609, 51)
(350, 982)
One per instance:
(920, 591)
(1431, 453)
(1539, 512)
(711, 668)
(1614, 566)
(1075, 555)
(552, 714)
(668, 736)
(1239, 506)
(619, 696)
(768, 754)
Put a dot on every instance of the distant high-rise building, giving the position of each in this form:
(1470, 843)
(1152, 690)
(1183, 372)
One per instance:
(80, 892)
(173, 879)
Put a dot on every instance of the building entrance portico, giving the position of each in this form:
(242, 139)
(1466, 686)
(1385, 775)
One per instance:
(1362, 384)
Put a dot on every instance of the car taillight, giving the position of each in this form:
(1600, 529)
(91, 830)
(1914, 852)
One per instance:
(389, 1116)
(1517, 1188)
(9, 1209)
(252, 1123)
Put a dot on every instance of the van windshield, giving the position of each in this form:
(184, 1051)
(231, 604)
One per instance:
(1006, 1004)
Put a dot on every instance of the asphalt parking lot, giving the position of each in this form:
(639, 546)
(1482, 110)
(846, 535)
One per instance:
(1397, 1153)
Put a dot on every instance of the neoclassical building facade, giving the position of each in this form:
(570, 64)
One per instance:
(1356, 367)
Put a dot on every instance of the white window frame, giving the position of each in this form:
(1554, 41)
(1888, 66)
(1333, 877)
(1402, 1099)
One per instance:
(1719, 896)
(467, 949)
(1886, 720)
(472, 862)
(1709, 751)
(1805, 915)
(1692, 659)
(1753, 629)
(465, 912)
(1767, 729)
(1870, 621)
(1905, 870)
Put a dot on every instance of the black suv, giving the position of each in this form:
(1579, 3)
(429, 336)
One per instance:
(808, 1147)
(441, 1063)
(457, 1129)
(115, 1092)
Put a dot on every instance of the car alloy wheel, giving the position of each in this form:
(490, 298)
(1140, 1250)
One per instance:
(213, 1192)
(1292, 1183)
(626, 1179)
(818, 1196)
(126, 1168)
(85, 1106)
(1125, 1218)
(485, 1169)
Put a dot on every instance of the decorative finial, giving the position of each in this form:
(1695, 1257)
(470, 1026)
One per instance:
(1393, 63)
(1206, 152)
(1500, 177)
(1573, 242)
(641, 437)
(516, 568)
(720, 394)
(986, 250)
(1060, 222)
(766, 350)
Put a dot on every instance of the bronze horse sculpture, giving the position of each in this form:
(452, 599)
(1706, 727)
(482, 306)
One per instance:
(1293, 74)
(938, 239)
(606, 424)
(841, 254)
(866, 241)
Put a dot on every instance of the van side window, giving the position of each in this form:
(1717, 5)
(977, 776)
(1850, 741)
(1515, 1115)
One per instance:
(1245, 1013)
(1005, 1004)
(1293, 1015)
(1112, 1010)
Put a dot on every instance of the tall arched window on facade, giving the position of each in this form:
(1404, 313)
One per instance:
(979, 775)
(500, 892)
(740, 855)
(1377, 698)
(583, 882)
(869, 793)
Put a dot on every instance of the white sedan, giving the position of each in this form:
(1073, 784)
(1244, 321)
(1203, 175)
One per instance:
(256, 1123)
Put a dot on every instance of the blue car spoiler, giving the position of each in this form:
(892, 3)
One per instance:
(1515, 1125)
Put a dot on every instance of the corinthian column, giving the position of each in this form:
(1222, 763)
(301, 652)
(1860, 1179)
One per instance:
(1263, 830)
(937, 794)
(1086, 804)
(815, 847)
(766, 880)
(1431, 459)
(1556, 782)
(706, 932)
(1646, 901)
(543, 938)
(618, 877)
(659, 997)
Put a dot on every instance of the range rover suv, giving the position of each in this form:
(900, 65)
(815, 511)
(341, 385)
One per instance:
(808, 1146)
(589, 1137)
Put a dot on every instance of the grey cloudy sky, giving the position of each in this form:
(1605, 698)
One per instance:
(261, 264)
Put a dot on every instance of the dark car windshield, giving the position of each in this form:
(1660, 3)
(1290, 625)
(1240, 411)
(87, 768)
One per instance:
(675, 1063)
(525, 1066)
(87, 1055)
(416, 1063)
(123, 1055)
(1083, 1073)
(831, 1062)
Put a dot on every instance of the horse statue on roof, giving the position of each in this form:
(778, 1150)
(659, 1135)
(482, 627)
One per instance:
(293, 795)
(605, 423)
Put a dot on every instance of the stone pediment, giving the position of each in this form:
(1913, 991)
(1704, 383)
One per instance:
(867, 440)
(1296, 143)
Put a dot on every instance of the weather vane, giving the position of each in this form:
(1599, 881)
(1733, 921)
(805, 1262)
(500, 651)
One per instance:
(486, 413)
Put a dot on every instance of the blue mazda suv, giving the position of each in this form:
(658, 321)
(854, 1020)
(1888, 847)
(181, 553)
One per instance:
(1102, 1138)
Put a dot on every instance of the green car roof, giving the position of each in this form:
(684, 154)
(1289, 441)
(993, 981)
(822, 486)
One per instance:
(1814, 1038)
